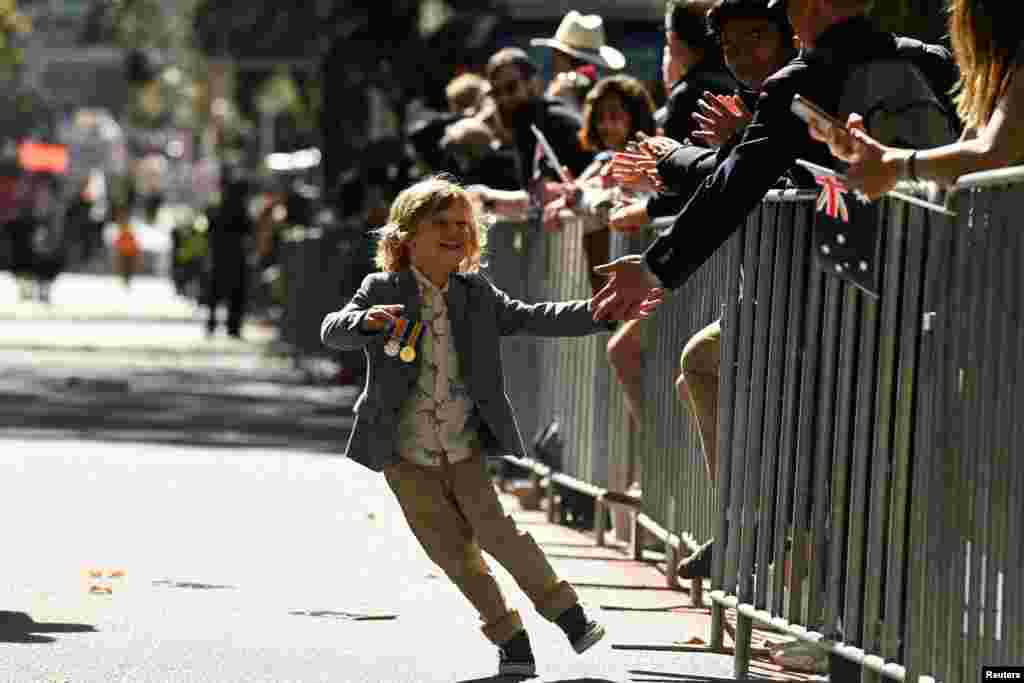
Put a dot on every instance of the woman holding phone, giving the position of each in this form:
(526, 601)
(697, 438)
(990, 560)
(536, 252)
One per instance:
(986, 42)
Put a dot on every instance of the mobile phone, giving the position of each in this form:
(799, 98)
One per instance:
(813, 114)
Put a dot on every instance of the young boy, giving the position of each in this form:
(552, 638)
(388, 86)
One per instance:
(434, 406)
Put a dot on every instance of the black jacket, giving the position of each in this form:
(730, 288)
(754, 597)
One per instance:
(683, 170)
(770, 145)
(561, 126)
(709, 76)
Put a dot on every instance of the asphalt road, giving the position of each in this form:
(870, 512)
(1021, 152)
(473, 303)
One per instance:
(179, 517)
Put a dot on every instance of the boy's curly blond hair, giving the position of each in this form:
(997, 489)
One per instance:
(411, 207)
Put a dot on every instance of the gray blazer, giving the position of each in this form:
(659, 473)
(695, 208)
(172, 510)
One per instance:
(480, 314)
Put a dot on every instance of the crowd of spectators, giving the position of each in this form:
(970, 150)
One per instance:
(724, 136)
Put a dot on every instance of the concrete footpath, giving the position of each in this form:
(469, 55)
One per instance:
(660, 618)
(98, 313)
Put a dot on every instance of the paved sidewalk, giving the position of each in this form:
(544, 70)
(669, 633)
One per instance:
(610, 581)
(89, 313)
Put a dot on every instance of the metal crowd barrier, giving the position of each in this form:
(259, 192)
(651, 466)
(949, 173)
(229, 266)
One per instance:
(867, 495)
(322, 266)
(868, 498)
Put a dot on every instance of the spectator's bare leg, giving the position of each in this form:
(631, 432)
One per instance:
(698, 382)
(625, 354)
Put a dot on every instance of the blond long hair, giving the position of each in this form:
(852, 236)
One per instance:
(986, 36)
(411, 207)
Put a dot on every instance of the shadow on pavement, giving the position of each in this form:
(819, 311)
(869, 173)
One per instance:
(208, 407)
(18, 627)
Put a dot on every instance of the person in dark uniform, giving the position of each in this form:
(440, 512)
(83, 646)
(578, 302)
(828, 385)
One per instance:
(230, 228)
(756, 41)
(837, 36)
(516, 90)
(692, 53)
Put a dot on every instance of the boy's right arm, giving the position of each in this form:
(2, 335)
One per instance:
(346, 329)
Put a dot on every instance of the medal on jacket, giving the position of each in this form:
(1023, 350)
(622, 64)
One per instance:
(408, 353)
(394, 344)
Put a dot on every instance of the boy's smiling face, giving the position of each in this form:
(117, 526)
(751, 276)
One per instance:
(442, 241)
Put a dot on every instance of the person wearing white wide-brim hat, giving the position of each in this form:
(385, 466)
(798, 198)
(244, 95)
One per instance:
(581, 37)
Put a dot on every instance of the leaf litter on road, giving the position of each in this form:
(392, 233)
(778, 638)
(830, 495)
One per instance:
(368, 615)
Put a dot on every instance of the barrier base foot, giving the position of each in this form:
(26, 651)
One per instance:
(685, 647)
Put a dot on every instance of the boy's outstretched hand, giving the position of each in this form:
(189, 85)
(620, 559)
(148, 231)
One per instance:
(379, 318)
(630, 294)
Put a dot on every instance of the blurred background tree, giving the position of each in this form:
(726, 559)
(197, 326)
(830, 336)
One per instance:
(13, 25)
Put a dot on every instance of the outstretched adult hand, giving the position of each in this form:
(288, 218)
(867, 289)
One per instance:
(631, 293)
(874, 169)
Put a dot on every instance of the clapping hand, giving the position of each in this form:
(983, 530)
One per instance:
(657, 146)
(721, 117)
(379, 318)
(636, 169)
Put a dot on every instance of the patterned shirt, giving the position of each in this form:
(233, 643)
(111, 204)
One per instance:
(433, 419)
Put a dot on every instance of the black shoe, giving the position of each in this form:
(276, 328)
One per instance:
(581, 631)
(515, 657)
(697, 565)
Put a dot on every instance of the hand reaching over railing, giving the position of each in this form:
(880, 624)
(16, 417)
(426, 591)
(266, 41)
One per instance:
(632, 291)
(722, 118)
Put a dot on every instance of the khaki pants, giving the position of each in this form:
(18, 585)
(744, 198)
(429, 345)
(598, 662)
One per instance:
(454, 513)
(700, 364)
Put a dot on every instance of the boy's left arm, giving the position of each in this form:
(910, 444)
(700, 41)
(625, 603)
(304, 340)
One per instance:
(546, 319)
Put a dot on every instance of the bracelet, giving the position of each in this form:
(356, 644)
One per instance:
(912, 167)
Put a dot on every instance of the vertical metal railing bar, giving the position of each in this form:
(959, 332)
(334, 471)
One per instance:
(782, 305)
(742, 531)
(875, 417)
(925, 527)
(991, 395)
(556, 254)
(975, 437)
(602, 416)
(1003, 465)
(843, 518)
(794, 343)
(726, 421)
(584, 362)
(1015, 579)
(805, 446)
(572, 354)
(666, 475)
(823, 452)
(738, 454)
(966, 480)
(679, 441)
(569, 352)
(949, 649)
(906, 452)
(753, 495)
(540, 289)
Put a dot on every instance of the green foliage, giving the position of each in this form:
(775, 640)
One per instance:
(12, 25)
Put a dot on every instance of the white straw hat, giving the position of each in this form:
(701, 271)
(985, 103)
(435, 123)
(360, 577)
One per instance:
(582, 36)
